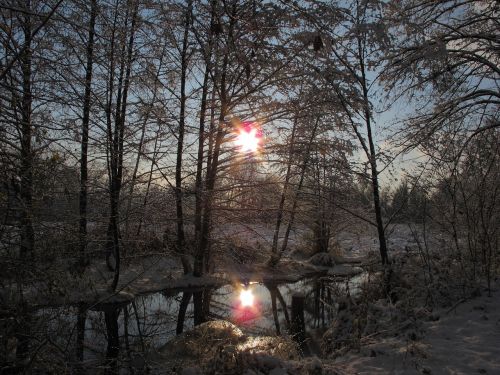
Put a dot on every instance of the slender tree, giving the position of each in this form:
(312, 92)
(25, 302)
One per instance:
(344, 65)
(116, 129)
(85, 131)
(185, 56)
(26, 134)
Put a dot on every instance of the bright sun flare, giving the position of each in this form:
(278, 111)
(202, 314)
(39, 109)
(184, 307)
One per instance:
(248, 141)
(246, 298)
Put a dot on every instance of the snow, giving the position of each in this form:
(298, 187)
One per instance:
(343, 270)
(465, 340)
(287, 271)
(159, 273)
(218, 346)
(357, 242)
(147, 276)
(322, 259)
(461, 340)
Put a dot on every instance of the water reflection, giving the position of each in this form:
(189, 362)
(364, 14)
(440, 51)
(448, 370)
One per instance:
(123, 336)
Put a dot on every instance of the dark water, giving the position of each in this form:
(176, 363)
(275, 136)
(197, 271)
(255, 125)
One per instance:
(150, 321)
(157, 314)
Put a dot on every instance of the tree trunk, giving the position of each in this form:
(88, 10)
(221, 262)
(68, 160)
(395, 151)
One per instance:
(279, 218)
(181, 317)
(372, 156)
(272, 292)
(23, 336)
(317, 301)
(138, 323)
(275, 257)
(284, 307)
(207, 298)
(298, 328)
(201, 135)
(213, 165)
(133, 179)
(26, 169)
(181, 241)
(199, 316)
(127, 341)
(113, 349)
(85, 135)
(80, 333)
(117, 148)
(110, 155)
(148, 185)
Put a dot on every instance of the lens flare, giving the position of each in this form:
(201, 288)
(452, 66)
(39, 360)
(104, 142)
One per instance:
(248, 140)
(246, 298)
(247, 308)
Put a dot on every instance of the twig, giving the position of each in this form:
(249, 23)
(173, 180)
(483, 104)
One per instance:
(456, 305)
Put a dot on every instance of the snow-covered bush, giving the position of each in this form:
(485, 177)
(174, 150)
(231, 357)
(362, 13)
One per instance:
(220, 347)
(345, 332)
(392, 305)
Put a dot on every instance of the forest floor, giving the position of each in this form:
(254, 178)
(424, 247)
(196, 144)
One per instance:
(464, 340)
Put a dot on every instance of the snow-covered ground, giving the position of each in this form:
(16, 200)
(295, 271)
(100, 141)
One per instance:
(355, 241)
(464, 340)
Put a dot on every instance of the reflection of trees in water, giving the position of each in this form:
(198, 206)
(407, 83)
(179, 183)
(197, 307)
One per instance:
(322, 296)
(186, 298)
(146, 323)
(119, 334)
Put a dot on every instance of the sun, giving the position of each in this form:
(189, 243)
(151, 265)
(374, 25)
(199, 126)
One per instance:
(248, 140)
(246, 298)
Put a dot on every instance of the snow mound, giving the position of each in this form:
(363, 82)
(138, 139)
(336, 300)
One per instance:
(221, 347)
(203, 339)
